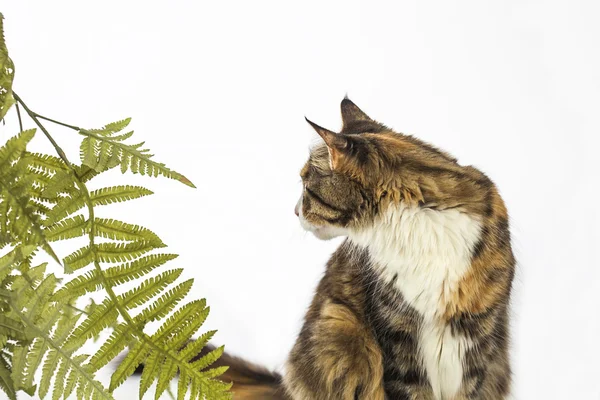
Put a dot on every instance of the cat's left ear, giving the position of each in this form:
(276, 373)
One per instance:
(337, 144)
(351, 113)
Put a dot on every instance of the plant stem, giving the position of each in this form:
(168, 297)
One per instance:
(76, 128)
(77, 309)
(35, 119)
(19, 115)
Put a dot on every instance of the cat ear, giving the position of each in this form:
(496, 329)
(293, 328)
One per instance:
(336, 144)
(351, 113)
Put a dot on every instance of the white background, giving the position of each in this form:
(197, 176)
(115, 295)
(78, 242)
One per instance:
(219, 90)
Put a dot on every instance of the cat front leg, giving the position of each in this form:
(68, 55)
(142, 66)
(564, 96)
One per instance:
(335, 357)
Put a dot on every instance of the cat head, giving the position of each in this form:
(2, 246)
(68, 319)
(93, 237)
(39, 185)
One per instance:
(353, 176)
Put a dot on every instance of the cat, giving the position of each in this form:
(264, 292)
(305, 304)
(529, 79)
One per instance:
(414, 303)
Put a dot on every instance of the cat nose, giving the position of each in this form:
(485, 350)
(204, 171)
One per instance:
(296, 211)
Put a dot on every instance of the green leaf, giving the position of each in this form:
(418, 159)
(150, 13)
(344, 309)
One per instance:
(50, 365)
(78, 259)
(188, 318)
(117, 230)
(112, 128)
(6, 382)
(133, 359)
(20, 216)
(116, 194)
(122, 252)
(12, 328)
(64, 207)
(61, 182)
(195, 346)
(68, 228)
(208, 358)
(7, 74)
(165, 304)
(99, 146)
(149, 288)
(167, 373)
(150, 372)
(111, 348)
(13, 149)
(59, 381)
(73, 377)
(103, 316)
(117, 275)
(15, 256)
(34, 356)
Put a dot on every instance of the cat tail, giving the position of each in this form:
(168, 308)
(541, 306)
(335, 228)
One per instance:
(250, 381)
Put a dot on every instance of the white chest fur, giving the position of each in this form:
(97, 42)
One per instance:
(429, 251)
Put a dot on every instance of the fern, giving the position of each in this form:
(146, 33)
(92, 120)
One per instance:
(103, 149)
(7, 73)
(21, 218)
(45, 199)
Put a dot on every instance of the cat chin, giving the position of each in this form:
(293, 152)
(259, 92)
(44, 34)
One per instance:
(328, 233)
(323, 232)
(320, 232)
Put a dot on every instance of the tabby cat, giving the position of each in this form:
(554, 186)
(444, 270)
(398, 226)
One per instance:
(414, 303)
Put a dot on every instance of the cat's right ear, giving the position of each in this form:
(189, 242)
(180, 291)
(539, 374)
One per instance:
(337, 144)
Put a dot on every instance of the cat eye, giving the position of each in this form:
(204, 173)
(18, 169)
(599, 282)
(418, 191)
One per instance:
(384, 194)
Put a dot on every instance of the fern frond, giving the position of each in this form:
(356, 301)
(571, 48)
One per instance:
(85, 173)
(110, 349)
(103, 316)
(50, 324)
(166, 358)
(193, 347)
(117, 230)
(74, 200)
(112, 128)
(106, 314)
(12, 328)
(66, 206)
(18, 368)
(6, 382)
(122, 252)
(208, 359)
(117, 275)
(21, 220)
(108, 253)
(72, 377)
(150, 373)
(165, 304)
(68, 228)
(14, 257)
(64, 326)
(149, 288)
(102, 150)
(117, 194)
(135, 357)
(59, 386)
(78, 259)
(41, 330)
(60, 182)
(167, 373)
(44, 162)
(7, 74)
(13, 149)
(188, 317)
